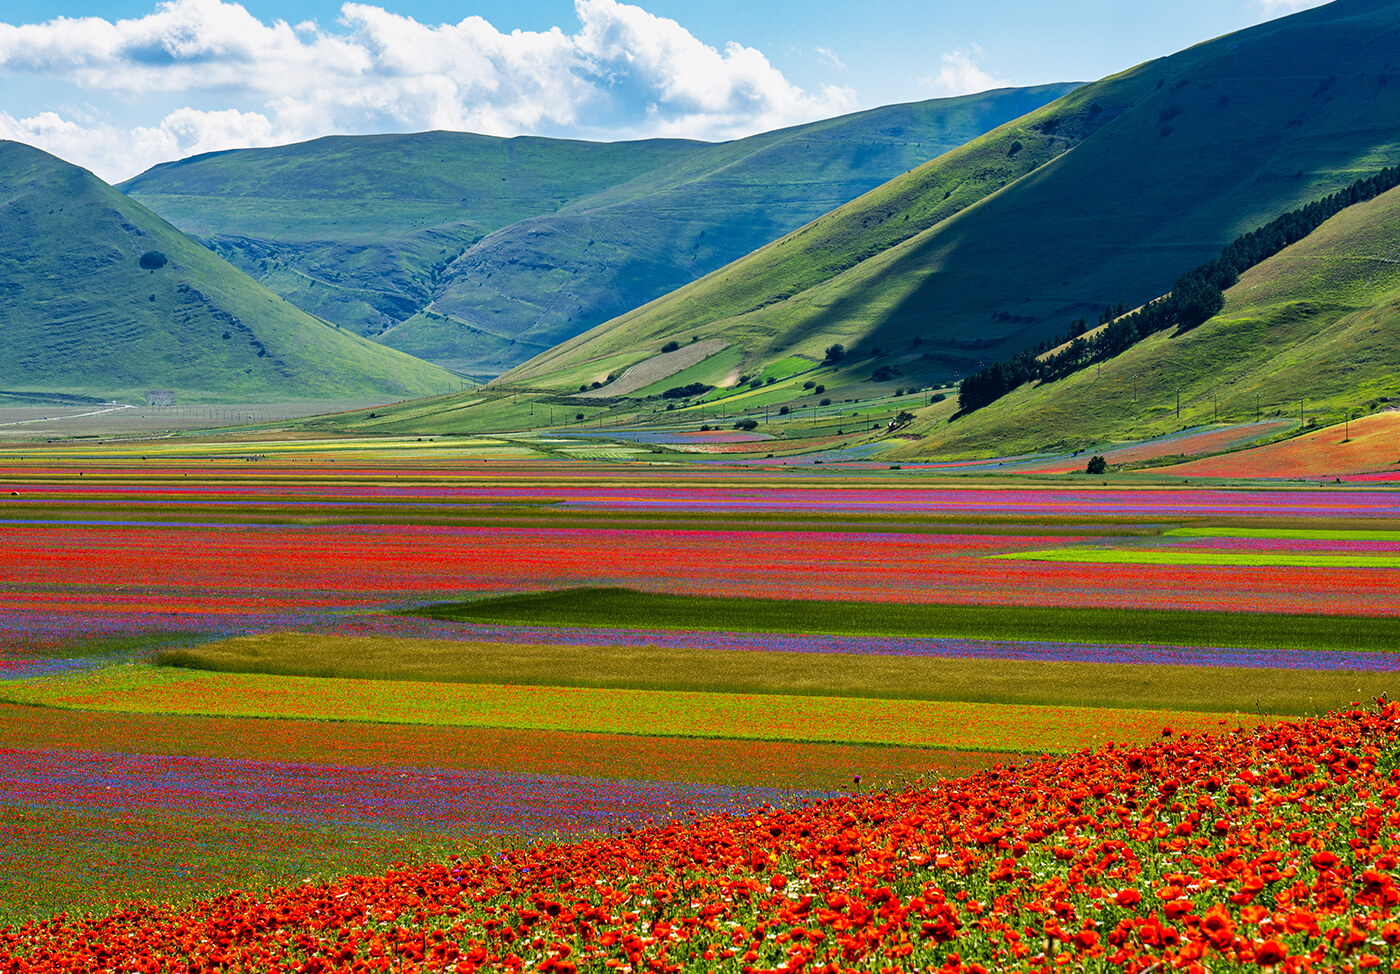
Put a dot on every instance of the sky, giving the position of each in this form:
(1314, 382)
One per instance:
(117, 86)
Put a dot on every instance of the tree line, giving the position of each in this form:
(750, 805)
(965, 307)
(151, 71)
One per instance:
(1195, 297)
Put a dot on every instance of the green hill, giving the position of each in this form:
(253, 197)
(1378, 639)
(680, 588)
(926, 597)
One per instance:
(101, 298)
(1103, 196)
(479, 252)
(1307, 335)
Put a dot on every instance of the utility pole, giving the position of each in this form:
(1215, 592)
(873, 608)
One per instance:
(1178, 402)
(1256, 407)
(1300, 411)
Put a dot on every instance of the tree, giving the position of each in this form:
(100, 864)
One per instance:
(152, 260)
(670, 346)
(834, 354)
(1097, 465)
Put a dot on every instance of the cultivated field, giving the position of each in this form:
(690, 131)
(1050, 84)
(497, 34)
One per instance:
(263, 676)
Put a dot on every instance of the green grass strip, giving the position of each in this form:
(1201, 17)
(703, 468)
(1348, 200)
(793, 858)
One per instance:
(624, 608)
(1299, 534)
(1203, 557)
(913, 723)
(1046, 683)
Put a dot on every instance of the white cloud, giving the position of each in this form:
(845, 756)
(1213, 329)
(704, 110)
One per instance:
(831, 58)
(109, 150)
(625, 73)
(1278, 8)
(960, 74)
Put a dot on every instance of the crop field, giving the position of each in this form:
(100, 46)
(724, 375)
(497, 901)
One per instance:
(1364, 449)
(266, 665)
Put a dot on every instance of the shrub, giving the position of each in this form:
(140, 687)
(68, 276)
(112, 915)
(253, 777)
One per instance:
(824, 402)
(670, 346)
(783, 410)
(808, 384)
(819, 390)
(834, 353)
(685, 392)
(152, 260)
(1097, 465)
(746, 424)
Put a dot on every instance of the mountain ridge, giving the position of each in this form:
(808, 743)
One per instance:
(1173, 158)
(103, 298)
(434, 275)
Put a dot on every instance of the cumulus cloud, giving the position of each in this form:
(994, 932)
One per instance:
(961, 75)
(624, 73)
(114, 152)
(1278, 8)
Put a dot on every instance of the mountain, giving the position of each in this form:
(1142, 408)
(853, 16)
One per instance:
(480, 252)
(1103, 196)
(101, 298)
(1310, 335)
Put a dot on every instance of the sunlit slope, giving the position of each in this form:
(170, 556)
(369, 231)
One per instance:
(81, 316)
(480, 252)
(1308, 334)
(1106, 195)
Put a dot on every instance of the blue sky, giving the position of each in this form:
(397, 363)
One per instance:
(119, 85)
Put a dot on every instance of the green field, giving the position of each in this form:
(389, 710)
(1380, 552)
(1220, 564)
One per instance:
(621, 607)
(1243, 559)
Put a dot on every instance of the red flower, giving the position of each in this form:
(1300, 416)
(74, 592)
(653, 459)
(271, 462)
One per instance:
(1269, 953)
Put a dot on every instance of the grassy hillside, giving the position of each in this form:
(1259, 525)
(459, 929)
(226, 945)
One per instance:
(82, 316)
(1307, 335)
(1105, 195)
(480, 252)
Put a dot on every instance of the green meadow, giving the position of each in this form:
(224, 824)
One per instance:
(1206, 557)
(607, 607)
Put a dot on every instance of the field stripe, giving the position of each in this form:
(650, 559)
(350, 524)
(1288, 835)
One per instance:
(627, 608)
(917, 723)
(1203, 557)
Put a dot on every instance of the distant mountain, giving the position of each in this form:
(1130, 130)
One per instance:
(479, 252)
(1103, 196)
(100, 297)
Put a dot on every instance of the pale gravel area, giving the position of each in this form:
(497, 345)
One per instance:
(656, 368)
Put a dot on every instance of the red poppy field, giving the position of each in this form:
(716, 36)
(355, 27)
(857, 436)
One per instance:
(1272, 848)
(603, 825)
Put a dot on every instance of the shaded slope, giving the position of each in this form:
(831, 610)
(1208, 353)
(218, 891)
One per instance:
(80, 315)
(1306, 335)
(1103, 196)
(480, 252)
